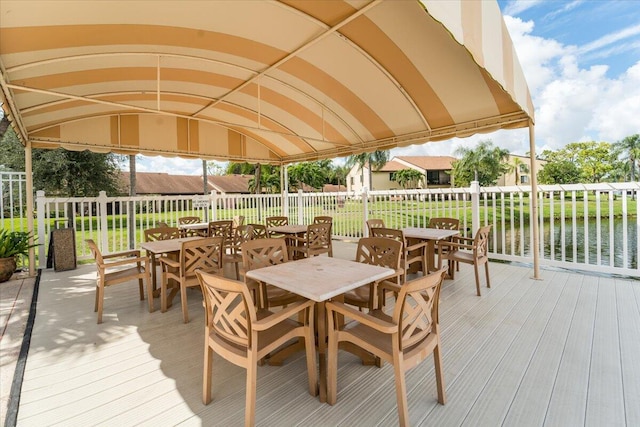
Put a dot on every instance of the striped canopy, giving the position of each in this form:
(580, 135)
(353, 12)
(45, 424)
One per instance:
(258, 81)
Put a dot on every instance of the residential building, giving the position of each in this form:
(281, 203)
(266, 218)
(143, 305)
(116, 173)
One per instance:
(435, 169)
(167, 184)
(519, 172)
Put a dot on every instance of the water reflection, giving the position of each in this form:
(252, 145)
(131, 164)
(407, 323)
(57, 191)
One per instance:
(555, 248)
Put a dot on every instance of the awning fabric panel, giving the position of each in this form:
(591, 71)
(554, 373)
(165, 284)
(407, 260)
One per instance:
(272, 82)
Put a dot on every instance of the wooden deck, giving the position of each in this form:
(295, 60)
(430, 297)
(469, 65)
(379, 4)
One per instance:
(563, 351)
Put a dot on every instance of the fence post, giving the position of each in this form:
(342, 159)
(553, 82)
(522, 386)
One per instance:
(214, 205)
(475, 206)
(284, 186)
(300, 207)
(365, 211)
(40, 211)
(102, 214)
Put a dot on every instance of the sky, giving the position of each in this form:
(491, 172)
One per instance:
(581, 60)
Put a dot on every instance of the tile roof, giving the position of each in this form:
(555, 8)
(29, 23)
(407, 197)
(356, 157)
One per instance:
(164, 183)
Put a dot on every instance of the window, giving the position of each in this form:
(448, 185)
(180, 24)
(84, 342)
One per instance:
(438, 178)
(392, 176)
(351, 181)
(523, 168)
(524, 179)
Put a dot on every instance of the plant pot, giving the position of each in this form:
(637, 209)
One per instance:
(7, 268)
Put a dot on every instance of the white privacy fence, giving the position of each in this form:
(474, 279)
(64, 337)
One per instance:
(583, 226)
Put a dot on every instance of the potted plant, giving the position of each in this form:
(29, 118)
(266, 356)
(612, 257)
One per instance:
(12, 244)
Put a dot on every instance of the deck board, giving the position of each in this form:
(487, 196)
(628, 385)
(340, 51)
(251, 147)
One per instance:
(561, 351)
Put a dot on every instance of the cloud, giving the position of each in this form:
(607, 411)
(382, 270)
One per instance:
(172, 165)
(516, 7)
(566, 8)
(610, 39)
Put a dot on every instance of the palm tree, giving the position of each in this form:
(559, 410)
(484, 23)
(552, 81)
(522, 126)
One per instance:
(374, 161)
(630, 146)
(517, 165)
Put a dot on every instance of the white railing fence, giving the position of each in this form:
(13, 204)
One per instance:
(582, 226)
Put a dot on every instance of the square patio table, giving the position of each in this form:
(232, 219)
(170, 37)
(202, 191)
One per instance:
(289, 230)
(320, 279)
(431, 236)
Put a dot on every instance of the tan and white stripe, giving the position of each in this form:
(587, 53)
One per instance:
(261, 81)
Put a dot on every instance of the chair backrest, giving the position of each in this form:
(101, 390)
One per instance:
(161, 233)
(380, 251)
(276, 221)
(323, 220)
(259, 231)
(229, 309)
(374, 223)
(201, 254)
(238, 220)
(416, 309)
(445, 223)
(222, 228)
(189, 220)
(161, 224)
(481, 242)
(241, 234)
(263, 253)
(95, 251)
(390, 233)
(318, 236)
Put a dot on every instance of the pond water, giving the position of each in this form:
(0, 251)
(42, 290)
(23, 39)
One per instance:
(555, 251)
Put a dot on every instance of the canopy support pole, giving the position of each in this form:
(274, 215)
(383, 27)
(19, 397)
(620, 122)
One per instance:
(535, 246)
(28, 168)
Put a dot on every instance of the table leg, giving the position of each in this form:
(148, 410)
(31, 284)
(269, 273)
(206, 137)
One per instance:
(322, 349)
(154, 286)
(431, 255)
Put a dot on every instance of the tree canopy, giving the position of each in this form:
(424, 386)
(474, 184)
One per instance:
(629, 149)
(374, 161)
(408, 178)
(61, 172)
(487, 161)
(595, 161)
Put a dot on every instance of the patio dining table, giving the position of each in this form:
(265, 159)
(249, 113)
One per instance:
(320, 279)
(431, 236)
(289, 231)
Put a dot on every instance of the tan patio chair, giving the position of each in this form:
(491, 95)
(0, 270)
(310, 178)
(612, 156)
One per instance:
(404, 339)
(120, 267)
(161, 233)
(263, 253)
(244, 335)
(383, 252)
(162, 224)
(186, 220)
(222, 228)
(316, 241)
(238, 220)
(259, 231)
(201, 254)
(239, 235)
(475, 251)
(444, 223)
(374, 223)
(411, 253)
(275, 221)
(326, 220)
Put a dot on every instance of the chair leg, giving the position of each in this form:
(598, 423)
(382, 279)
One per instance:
(475, 268)
(237, 264)
(206, 375)
(150, 292)
(437, 359)
(95, 305)
(141, 288)
(332, 362)
(100, 299)
(163, 292)
(250, 404)
(310, 346)
(401, 389)
(486, 272)
(183, 300)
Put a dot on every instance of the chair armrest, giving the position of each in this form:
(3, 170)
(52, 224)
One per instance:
(419, 245)
(455, 245)
(170, 262)
(462, 238)
(125, 262)
(389, 286)
(134, 252)
(365, 319)
(280, 316)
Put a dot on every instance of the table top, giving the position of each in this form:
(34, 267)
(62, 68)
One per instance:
(428, 233)
(289, 229)
(164, 246)
(194, 226)
(320, 278)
